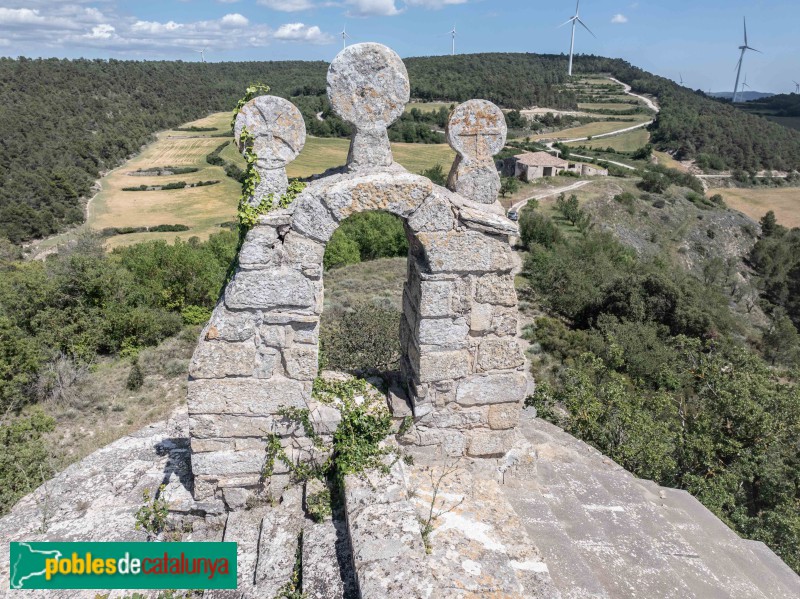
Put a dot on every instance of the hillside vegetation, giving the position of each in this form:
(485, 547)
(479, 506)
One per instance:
(63, 122)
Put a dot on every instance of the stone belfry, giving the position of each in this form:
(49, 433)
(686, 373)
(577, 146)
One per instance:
(462, 367)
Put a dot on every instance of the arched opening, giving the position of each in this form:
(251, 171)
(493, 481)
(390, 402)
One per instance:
(365, 269)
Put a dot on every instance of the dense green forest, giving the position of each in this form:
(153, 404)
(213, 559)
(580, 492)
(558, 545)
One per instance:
(780, 105)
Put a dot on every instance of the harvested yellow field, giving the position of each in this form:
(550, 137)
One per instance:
(202, 209)
(755, 203)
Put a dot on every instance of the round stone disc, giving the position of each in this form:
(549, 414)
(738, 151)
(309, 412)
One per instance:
(477, 130)
(278, 128)
(368, 86)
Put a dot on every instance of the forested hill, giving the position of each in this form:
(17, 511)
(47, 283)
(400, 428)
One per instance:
(781, 105)
(63, 122)
(694, 126)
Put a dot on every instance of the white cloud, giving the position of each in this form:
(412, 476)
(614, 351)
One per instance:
(434, 3)
(101, 32)
(235, 20)
(370, 8)
(298, 32)
(619, 19)
(287, 5)
(227, 1)
(44, 25)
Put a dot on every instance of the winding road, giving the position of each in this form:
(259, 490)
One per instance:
(651, 104)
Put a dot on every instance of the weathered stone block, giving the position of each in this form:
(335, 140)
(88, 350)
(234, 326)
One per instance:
(496, 289)
(267, 362)
(499, 354)
(435, 298)
(227, 463)
(480, 317)
(209, 426)
(301, 362)
(400, 194)
(504, 416)
(301, 251)
(490, 444)
(446, 332)
(219, 359)
(434, 214)
(203, 445)
(465, 251)
(275, 335)
(312, 218)
(260, 248)
(480, 390)
(306, 332)
(231, 326)
(434, 365)
(384, 531)
(256, 397)
(457, 417)
(283, 288)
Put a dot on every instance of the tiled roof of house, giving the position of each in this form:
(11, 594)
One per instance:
(541, 159)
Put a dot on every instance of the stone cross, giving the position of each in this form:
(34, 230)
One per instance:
(279, 134)
(368, 87)
(476, 131)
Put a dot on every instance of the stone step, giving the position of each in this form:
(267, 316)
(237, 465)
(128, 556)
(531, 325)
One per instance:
(783, 573)
(327, 560)
(278, 544)
(388, 552)
(720, 549)
(244, 529)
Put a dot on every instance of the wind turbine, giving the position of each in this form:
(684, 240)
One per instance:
(744, 84)
(202, 54)
(797, 86)
(681, 75)
(345, 37)
(453, 33)
(575, 20)
(744, 49)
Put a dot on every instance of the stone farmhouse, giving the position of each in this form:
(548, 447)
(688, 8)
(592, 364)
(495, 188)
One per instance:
(535, 165)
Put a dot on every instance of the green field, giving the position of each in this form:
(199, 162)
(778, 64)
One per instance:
(430, 106)
(625, 142)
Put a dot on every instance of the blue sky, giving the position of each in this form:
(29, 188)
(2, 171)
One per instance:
(695, 38)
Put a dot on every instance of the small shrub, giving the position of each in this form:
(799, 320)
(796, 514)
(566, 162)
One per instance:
(135, 377)
(195, 315)
(318, 505)
(152, 516)
(362, 340)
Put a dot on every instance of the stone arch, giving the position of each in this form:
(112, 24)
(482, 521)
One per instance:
(462, 365)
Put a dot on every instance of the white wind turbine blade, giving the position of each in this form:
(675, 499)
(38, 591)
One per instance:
(585, 27)
(745, 31)
(568, 21)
